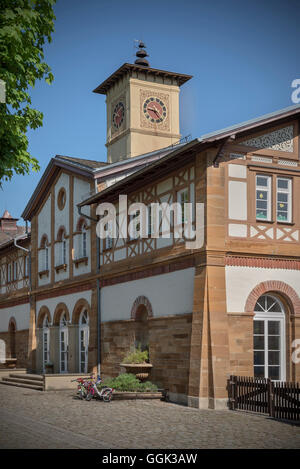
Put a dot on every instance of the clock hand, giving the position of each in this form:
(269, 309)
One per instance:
(154, 110)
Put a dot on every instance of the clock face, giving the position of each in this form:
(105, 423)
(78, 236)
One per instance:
(154, 110)
(118, 115)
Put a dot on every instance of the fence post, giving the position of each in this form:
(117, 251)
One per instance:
(232, 392)
(270, 397)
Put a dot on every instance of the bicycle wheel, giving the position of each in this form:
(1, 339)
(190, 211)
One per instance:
(107, 396)
(90, 394)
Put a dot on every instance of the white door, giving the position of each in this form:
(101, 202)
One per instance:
(63, 349)
(269, 339)
(45, 347)
(83, 342)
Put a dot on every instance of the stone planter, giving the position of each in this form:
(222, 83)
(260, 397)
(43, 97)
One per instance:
(49, 369)
(140, 370)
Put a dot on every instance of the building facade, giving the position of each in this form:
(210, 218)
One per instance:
(230, 305)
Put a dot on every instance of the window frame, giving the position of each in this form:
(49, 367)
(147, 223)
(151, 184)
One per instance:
(269, 199)
(289, 192)
(265, 317)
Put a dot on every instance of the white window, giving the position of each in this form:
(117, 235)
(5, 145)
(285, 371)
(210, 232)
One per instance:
(8, 273)
(263, 197)
(63, 344)
(83, 341)
(83, 243)
(46, 259)
(46, 344)
(134, 226)
(284, 200)
(63, 251)
(183, 198)
(15, 270)
(109, 238)
(269, 338)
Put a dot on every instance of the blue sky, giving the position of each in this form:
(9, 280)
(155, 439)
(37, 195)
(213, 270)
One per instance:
(243, 56)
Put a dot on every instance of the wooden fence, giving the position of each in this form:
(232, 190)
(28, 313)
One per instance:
(280, 400)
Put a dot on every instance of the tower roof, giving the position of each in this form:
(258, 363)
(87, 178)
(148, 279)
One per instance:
(179, 78)
(7, 216)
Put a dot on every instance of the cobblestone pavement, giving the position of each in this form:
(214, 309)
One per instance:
(33, 419)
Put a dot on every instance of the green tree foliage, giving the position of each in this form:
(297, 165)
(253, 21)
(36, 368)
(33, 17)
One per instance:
(25, 26)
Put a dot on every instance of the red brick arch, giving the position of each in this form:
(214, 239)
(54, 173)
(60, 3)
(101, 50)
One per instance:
(44, 311)
(78, 308)
(59, 310)
(141, 300)
(275, 286)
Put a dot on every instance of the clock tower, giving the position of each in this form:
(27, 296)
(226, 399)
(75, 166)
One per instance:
(142, 108)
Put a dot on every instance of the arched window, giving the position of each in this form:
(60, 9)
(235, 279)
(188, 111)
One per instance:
(62, 252)
(269, 338)
(63, 343)
(83, 341)
(44, 254)
(46, 342)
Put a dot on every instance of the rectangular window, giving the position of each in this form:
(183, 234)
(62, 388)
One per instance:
(8, 273)
(263, 197)
(83, 244)
(284, 200)
(26, 266)
(64, 255)
(46, 259)
(183, 198)
(15, 270)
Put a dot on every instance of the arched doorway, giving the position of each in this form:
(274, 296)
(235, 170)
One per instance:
(269, 345)
(83, 341)
(142, 329)
(63, 343)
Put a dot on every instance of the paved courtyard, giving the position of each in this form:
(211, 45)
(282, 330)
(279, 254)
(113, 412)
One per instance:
(33, 419)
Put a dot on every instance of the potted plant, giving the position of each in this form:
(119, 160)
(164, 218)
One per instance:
(137, 363)
(49, 367)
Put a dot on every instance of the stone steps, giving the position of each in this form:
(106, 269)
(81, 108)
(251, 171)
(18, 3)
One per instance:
(24, 381)
(26, 376)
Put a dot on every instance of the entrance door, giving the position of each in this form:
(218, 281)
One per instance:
(269, 339)
(83, 342)
(63, 342)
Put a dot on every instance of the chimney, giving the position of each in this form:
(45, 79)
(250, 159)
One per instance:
(8, 224)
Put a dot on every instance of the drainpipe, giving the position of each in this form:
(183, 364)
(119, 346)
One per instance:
(29, 255)
(98, 294)
(98, 310)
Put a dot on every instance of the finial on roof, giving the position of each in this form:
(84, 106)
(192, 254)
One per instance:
(6, 214)
(141, 55)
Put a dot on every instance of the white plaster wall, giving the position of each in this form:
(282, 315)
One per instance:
(164, 186)
(69, 300)
(237, 171)
(21, 313)
(240, 281)
(62, 216)
(44, 221)
(81, 188)
(237, 200)
(168, 294)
